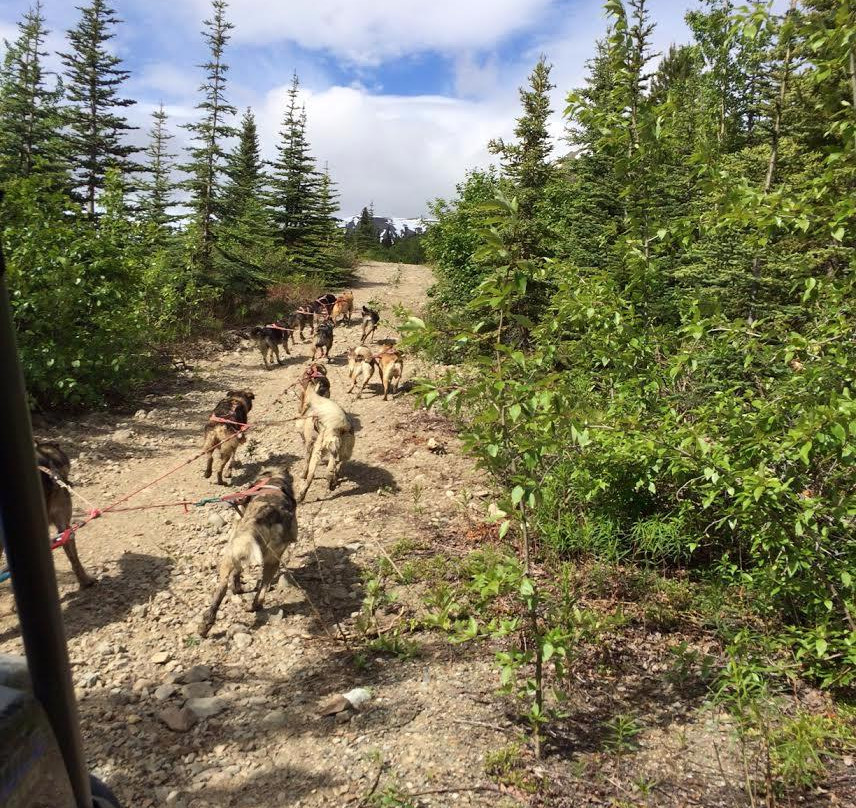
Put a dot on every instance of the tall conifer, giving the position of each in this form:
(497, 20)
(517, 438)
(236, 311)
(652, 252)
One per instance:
(95, 126)
(207, 156)
(156, 197)
(29, 113)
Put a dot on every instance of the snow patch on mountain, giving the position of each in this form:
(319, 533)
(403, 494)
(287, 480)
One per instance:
(400, 226)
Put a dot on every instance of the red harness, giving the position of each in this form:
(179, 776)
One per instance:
(279, 327)
(218, 420)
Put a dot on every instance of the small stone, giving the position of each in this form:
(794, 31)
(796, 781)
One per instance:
(140, 685)
(216, 520)
(205, 707)
(197, 690)
(139, 415)
(242, 640)
(275, 719)
(163, 692)
(178, 720)
(133, 719)
(160, 657)
(198, 673)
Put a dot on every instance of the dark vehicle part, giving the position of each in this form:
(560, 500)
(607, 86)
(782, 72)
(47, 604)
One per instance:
(24, 531)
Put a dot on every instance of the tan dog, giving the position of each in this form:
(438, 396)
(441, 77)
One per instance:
(315, 375)
(267, 528)
(328, 429)
(225, 431)
(343, 308)
(391, 364)
(361, 365)
(55, 467)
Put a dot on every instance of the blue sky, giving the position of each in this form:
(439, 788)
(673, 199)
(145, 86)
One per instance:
(402, 95)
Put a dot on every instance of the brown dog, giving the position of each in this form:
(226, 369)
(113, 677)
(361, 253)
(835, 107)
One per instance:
(391, 364)
(267, 528)
(225, 431)
(343, 308)
(54, 467)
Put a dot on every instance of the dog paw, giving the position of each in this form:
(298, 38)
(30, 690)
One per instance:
(86, 582)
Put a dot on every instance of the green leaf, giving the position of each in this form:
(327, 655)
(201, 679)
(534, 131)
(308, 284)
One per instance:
(820, 646)
(503, 528)
(846, 579)
(517, 494)
(838, 234)
(547, 651)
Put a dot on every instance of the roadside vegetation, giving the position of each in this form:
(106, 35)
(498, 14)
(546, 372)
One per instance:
(115, 253)
(652, 348)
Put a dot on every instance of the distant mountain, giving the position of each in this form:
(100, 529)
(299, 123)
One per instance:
(400, 227)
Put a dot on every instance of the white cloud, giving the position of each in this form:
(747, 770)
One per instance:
(395, 151)
(370, 32)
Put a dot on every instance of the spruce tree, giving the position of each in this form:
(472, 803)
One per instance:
(526, 162)
(294, 184)
(324, 236)
(245, 220)
(156, 191)
(365, 235)
(29, 113)
(95, 128)
(207, 157)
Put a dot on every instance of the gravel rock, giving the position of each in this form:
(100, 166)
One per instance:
(198, 673)
(206, 707)
(160, 657)
(197, 690)
(164, 692)
(275, 719)
(178, 720)
(242, 640)
(216, 520)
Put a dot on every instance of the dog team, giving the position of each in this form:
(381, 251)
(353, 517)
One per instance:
(268, 522)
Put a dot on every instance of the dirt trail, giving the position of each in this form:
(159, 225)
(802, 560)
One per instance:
(131, 640)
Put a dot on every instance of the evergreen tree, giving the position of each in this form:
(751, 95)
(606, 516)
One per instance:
(156, 192)
(246, 223)
(365, 235)
(526, 162)
(294, 185)
(94, 125)
(324, 230)
(29, 114)
(207, 157)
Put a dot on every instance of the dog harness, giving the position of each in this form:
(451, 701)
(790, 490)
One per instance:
(218, 420)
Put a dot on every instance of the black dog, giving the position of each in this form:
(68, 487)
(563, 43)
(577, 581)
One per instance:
(268, 338)
(323, 340)
(370, 320)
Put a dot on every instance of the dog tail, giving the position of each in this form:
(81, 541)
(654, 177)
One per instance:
(245, 549)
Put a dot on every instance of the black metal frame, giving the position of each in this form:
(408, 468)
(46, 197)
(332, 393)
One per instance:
(24, 527)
